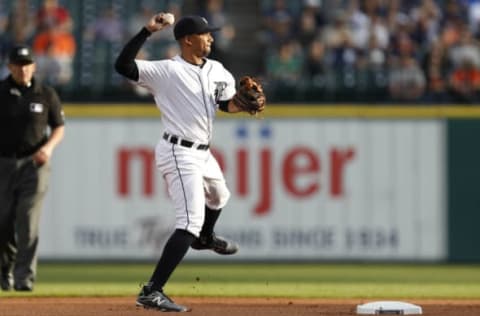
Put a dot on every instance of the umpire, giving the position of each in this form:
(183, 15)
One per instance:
(31, 126)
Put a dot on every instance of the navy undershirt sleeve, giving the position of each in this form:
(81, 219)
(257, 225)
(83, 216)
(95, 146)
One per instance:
(223, 105)
(125, 63)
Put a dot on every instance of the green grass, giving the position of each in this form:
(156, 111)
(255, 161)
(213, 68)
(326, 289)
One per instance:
(385, 281)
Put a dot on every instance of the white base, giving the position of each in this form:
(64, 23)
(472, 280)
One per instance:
(388, 308)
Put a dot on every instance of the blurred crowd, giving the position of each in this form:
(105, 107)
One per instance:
(422, 51)
(375, 50)
(48, 30)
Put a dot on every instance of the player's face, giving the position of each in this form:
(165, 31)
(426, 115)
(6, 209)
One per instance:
(202, 44)
(22, 74)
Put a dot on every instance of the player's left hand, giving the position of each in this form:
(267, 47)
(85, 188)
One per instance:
(250, 97)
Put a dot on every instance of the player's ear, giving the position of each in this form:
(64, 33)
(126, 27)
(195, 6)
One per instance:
(187, 40)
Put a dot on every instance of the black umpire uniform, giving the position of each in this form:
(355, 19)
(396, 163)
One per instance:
(31, 126)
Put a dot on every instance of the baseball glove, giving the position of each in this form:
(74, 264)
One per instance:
(250, 96)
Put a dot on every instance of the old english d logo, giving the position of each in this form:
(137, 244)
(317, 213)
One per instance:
(219, 88)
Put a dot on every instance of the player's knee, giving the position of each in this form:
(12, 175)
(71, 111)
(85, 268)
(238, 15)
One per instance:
(223, 200)
(219, 200)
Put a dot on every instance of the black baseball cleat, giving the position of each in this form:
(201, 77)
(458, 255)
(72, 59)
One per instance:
(153, 299)
(218, 244)
(6, 282)
(24, 286)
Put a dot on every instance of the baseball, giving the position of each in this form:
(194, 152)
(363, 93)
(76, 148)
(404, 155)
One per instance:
(168, 18)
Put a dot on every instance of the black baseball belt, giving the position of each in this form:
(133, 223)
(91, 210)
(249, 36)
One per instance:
(183, 142)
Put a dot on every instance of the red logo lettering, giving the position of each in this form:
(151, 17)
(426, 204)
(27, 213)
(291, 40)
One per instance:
(125, 157)
(338, 161)
(242, 169)
(265, 193)
(301, 162)
(300, 172)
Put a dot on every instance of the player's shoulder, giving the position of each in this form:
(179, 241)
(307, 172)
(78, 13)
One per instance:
(216, 66)
(174, 62)
(218, 69)
(215, 63)
(158, 62)
(158, 65)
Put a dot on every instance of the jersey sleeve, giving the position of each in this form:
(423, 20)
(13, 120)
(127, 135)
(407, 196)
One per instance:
(56, 116)
(152, 74)
(229, 90)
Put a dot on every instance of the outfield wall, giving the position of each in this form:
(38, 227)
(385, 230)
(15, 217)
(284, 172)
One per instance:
(329, 183)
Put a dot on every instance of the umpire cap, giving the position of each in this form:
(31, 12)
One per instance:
(20, 55)
(192, 24)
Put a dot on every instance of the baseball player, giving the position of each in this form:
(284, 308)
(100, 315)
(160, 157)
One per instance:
(187, 89)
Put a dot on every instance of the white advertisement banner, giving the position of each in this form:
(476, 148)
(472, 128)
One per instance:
(346, 189)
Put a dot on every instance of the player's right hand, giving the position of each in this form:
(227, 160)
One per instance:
(40, 158)
(157, 22)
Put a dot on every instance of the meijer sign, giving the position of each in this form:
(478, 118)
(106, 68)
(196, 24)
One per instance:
(302, 189)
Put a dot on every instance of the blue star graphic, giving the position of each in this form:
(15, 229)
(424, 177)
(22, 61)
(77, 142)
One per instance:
(265, 131)
(242, 132)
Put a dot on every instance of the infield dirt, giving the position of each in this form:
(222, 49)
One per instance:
(123, 306)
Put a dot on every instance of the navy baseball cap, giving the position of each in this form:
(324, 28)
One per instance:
(20, 55)
(192, 24)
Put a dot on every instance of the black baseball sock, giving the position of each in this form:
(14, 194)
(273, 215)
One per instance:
(211, 217)
(174, 251)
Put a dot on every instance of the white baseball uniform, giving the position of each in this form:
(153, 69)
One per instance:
(187, 96)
